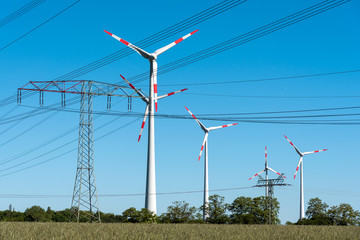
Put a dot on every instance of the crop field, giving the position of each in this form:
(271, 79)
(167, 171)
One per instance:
(13, 230)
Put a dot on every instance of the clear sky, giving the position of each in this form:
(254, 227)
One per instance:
(325, 43)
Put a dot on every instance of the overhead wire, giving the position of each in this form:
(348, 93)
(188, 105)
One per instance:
(244, 38)
(225, 117)
(36, 112)
(269, 97)
(22, 133)
(154, 38)
(161, 35)
(118, 195)
(60, 155)
(42, 145)
(40, 25)
(195, 19)
(264, 79)
(330, 8)
(21, 11)
(327, 191)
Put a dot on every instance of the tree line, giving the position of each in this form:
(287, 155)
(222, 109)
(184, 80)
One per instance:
(243, 210)
(320, 213)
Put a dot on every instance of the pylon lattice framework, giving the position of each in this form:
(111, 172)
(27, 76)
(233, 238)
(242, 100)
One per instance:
(270, 183)
(84, 205)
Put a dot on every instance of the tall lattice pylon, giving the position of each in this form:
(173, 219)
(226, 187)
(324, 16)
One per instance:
(269, 184)
(85, 205)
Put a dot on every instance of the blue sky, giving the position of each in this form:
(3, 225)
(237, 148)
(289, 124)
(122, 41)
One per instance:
(322, 44)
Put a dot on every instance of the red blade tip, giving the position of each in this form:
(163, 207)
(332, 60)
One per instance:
(194, 31)
(108, 32)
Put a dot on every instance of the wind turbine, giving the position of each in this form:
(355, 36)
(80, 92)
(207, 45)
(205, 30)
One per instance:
(301, 154)
(206, 178)
(266, 171)
(148, 101)
(150, 197)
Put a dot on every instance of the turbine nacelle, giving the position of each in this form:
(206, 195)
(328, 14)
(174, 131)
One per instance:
(301, 154)
(147, 101)
(207, 130)
(266, 168)
(152, 58)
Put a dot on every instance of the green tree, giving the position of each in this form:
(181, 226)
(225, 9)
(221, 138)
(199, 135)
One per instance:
(316, 208)
(131, 215)
(143, 216)
(63, 216)
(147, 216)
(179, 212)
(216, 210)
(247, 210)
(36, 214)
(344, 214)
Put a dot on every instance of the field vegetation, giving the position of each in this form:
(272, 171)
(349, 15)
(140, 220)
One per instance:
(39, 231)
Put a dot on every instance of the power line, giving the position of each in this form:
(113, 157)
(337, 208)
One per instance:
(161, 35)
(18, 13)
(38, 26)
(62, 154)
(157, 37)
(328, 191)
(270, 97)
(36, 112)
(265, 79)
(27, 130)
(244, 38)
(117, 195)
(225, 117)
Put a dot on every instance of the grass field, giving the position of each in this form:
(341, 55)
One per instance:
(37, 231)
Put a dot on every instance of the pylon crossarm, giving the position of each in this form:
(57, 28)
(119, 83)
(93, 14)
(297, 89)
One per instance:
(74, 87)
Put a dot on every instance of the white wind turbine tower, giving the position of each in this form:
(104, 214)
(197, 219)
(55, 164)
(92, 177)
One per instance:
(301, 154)
(206, 177)
(266, 172)
(150, 197)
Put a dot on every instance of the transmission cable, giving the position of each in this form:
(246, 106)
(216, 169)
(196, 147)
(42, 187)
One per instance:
(244, 38)
(18, 13)
(157, 37)
(38, 26)
(43, 144)
(71, 150)
(262, 79)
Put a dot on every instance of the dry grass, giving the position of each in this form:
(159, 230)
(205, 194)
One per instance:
(49, 231)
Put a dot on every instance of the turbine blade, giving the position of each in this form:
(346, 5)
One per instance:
(155, 91)
(167, 47)
(202, 146)
(297, 150)
(223, 126)
(172, 93)
(197, 120)
(132, 46)
(276, 172)
(143, 122)
(136, 90)
(323, 150)
(257, 174)
(265, 157)
(297, 168)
